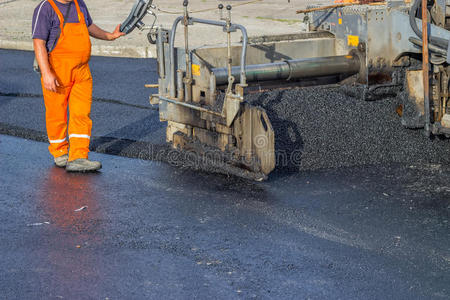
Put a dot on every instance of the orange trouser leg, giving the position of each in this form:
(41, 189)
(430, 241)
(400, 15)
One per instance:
(56, 120)
(80, 124)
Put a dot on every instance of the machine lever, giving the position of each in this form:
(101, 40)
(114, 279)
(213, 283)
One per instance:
(137, 13)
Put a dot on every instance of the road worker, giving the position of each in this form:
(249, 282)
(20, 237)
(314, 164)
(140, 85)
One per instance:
(60, 32)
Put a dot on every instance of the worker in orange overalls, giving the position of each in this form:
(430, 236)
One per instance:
(63, 48)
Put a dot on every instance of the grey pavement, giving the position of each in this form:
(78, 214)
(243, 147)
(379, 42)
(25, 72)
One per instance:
(152, 231)
(260, 18)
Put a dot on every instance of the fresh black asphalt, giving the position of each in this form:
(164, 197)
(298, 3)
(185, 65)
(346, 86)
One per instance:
(152, 230)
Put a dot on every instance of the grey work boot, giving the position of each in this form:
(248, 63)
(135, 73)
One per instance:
(83, 165)
(61, 161)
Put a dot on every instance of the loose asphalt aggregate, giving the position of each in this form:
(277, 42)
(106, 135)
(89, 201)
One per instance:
(328, 127)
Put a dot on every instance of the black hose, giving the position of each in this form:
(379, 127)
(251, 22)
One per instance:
(439, 42)
(412, 18)
(418, 42)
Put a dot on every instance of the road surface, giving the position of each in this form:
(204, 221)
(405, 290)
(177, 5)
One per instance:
(150, 230)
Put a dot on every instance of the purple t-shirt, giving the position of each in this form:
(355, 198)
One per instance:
(45, 24)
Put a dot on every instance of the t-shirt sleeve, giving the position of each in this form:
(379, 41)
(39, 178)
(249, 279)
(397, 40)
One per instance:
(41, 23)
(88, 15)
(88, 18)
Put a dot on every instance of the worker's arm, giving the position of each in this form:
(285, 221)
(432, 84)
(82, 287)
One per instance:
(99, 33)
(48, 76)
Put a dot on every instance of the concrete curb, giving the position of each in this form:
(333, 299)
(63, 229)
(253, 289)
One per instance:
(98, 50)
(16, 45)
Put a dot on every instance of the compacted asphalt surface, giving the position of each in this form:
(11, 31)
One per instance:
(145, 229)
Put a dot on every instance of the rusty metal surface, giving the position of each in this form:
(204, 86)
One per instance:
(425, 66)
(383, 29)
(415, 88)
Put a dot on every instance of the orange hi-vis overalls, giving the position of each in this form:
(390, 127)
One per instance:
(69, 60)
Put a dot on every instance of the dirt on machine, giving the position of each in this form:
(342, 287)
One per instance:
(213, 97)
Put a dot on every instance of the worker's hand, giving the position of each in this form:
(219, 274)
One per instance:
(117, 33)
(50, 81)
(101, 34)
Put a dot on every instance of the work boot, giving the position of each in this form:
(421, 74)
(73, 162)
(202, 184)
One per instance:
(61, 161)
(83, 165)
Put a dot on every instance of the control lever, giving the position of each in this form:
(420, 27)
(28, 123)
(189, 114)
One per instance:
(136, 15)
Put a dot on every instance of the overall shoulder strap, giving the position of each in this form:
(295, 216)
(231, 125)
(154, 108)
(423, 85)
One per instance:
(80, 14)
(58, 13)
(66, 16)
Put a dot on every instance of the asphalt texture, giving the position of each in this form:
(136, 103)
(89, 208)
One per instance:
(374, 226)
(331, 127)
(152, 231)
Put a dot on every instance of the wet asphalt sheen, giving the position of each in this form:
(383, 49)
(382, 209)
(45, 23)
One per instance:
(153, 231)
(143, 229)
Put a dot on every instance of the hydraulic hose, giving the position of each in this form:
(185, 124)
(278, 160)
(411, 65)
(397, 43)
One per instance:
(439, 42)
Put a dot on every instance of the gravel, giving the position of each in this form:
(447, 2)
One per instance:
(327, 127)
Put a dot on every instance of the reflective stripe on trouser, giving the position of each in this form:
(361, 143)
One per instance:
(69, 61)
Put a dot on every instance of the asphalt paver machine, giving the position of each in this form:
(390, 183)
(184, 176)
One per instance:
(382, 46)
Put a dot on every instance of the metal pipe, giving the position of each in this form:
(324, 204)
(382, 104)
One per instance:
(162, 71)
(260, 72)
(294, 69)
(192, 106)
(431, 47)
(243, 78)
(172, 56)
(445, 92)
(172, 70)
(244, 42)
(180, 87)
(324, 66)
(229, 58)
(212, 90)
(425, 59)
(188, 79)
(186, 40)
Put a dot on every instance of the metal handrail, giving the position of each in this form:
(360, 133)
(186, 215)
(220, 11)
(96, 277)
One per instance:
(172, 70)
